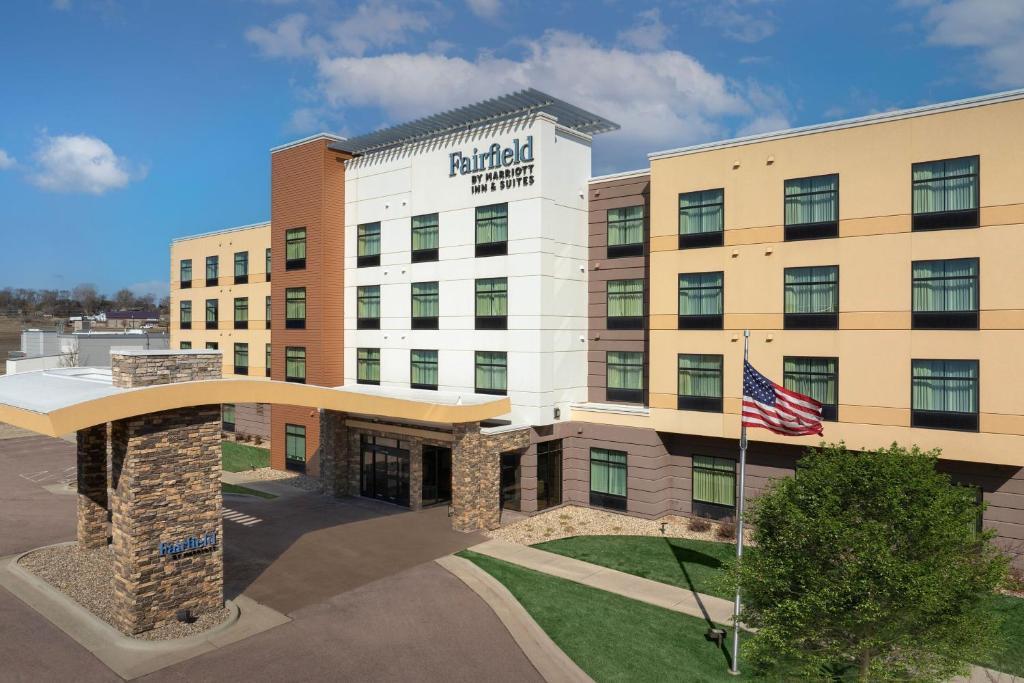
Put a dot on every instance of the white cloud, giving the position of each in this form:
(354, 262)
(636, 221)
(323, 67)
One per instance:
(284, 39)
(995, 28)
(80, 163)
(6, 161)
(648, 33)
(736, 20)
(307, 120)
(485, 9)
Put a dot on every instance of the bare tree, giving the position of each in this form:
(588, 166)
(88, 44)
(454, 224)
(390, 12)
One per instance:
(87, 295)
(69, 355)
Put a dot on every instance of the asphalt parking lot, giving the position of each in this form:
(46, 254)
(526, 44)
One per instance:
(356, 577)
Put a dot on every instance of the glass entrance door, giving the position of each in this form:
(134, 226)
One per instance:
(437, 475)
(384, 471)
(549, 474)
(510, 480)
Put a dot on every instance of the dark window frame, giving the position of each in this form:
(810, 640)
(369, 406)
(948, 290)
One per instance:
(947, 220)
(630, 248)
(705, 508)
(625, 322)
(946, 319)
(367, 323)
(489, 322)
(360, 361)
(624, 395)
(699, 240)
(609, 501)
(295, 323)
(423, 322)
(476, 364)
(810, 321)
(241, 324)
(241, 369)
(707, 321)
(703, 404)
(498, 248)
(291, 462)
(412, 363)
(367, 260)
(947, 419)
(294, 378)
(829, 412)
(241, 279)
(795, 232)
(291, 239)
(430, 253)
(212, 324)
(215, 261)
(183, 283)
(182, 323)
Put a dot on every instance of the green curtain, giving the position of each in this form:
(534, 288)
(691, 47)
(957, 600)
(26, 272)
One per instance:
(492, 223)
(701, 212)
(425, 300)
(241, 263)
(185, 346)
(211, 310)
(368, 243)
(186, 312)
(608, 472)
(814, 377)
(368, 302)
(368, 365)
(714, 480)
(424, 367)
(812, 200)
(700, 375)
(424, 232)
(242, 355)
(945, 285)
(492, 296)
(295, 244)
(625, 369)
(812, 290)
(186, 270)
(945, 385)
(492, 370)
(269, 347)
(268, 261)
(211, 267)
(242, 310)
(295, 362)
(625, 298)
(700, 294)
(268, 308)
(625, 226)
(949, 185)
(295, 303)
(295, 442)
(228, 413)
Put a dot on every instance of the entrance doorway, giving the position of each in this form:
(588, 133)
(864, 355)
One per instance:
(384, 469)
(511, 480)
(437, 475)
(549, 474)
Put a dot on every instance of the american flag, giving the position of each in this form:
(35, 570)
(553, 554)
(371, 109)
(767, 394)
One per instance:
(777, 409)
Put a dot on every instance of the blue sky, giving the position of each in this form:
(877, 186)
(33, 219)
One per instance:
(127, 123)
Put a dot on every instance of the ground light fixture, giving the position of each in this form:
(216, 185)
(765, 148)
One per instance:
(185, 616)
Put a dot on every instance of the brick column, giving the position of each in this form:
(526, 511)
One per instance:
(93, 530)
(333, 450)
(476, 475)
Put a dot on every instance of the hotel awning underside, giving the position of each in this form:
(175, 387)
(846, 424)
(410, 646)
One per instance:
(62, 401)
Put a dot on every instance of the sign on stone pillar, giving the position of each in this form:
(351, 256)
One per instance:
(93, 530)
(476, 475)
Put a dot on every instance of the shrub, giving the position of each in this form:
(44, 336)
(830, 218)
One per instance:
(726, 530)
(698, 524)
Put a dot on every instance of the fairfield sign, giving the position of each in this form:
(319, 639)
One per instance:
(496, 168)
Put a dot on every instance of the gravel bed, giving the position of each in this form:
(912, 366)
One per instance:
(567, 521)
(86, 576)
(299, 481)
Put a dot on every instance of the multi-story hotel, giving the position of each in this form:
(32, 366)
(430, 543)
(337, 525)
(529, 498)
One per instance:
(874, 261)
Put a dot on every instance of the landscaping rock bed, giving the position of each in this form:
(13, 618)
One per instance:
(300, 481)
(86, 576)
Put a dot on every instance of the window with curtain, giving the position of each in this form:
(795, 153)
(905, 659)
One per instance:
(295, 249)
(295, 308)
(701, 218)
(368, 307)
(268, 313)
(812, 207)
(268, 264)
(492, 230)
(212, 346)
(212, 268)
(714, 483)
(228, 417)
(266, 364)
(423, 369)
(241, 267)
(625, 304)
(185, 272)
(815, 377)
(185, 315)
(626, 231)
(425, 238)
(368, 245)
(425, 305)
(946, 194)
(295, 364)
(700, 382)
(241, 313)
(295, 447)
(945, 294)
(368, 366)
(625, 376)
(211, 314)
(608, 478)
(701, 300)
(491, 372)
(811, 298)
(944, 394)
(241, 359)
(492, 303)
(185, 346)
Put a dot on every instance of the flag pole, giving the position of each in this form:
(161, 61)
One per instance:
(734, 668)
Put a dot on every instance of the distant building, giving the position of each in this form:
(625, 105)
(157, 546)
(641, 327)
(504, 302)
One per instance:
(131, 319)
(47, 349)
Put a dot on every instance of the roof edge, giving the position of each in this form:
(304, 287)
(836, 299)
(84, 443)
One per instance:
(309, 138)
(621, 175)
(250, 226)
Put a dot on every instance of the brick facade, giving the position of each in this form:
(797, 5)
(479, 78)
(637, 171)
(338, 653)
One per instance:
(93, 529)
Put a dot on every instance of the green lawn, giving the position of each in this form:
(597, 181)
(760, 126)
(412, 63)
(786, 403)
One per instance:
(245, 491)
(610, 637)
(239, 457)
(696, 565)
(1011, 659)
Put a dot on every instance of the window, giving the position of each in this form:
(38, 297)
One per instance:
(241, 267)
(268, 264)
(295, 447)
(424, 305)
(945, 294)
(714, 486)
(185, 315)
(368, 366)
(946, 194)
(812, 207)
(492, 230)
(241, 313)
(492, 304)
(811, 298)
(625, 376)
(295, 364)
(185, 346)
(626, 231)
(295, 249)
(268, 313)
(241, 359)
(491, 373)
(700, 382)
(608, 478)
(185, 269)
(701, 218)
(211, 314)
(368, 245)
(212, 346)
(266, 364)
(227, 412)
(212, 267)
(944, 394)
(295, 308)
(625, 304)
(368, 307)
(701, 297)
(425, 239)
(423, 369)
(814, 377)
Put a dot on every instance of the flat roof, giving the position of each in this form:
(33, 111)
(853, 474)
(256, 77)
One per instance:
(251, 226)
(512, 105)
(968, 103)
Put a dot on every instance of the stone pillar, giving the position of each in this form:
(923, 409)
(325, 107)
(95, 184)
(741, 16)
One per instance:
(476, 474)
(415, 474)
(93, 530)
(334, 460)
